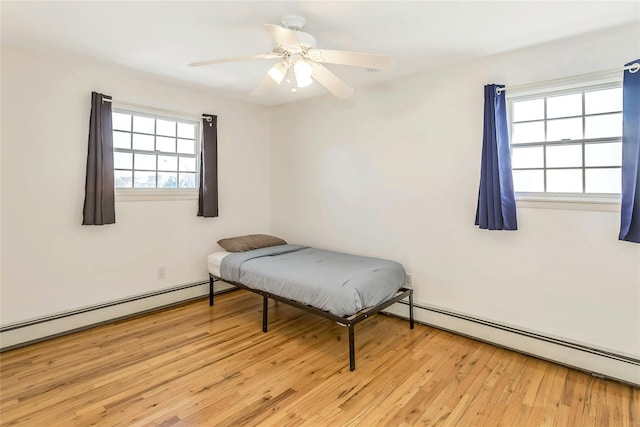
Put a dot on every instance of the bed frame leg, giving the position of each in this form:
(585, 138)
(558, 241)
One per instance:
(265, 316)
(211, 290)
(411, 310)
(352, 348)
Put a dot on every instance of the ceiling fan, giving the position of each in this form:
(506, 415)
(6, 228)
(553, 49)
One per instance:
(298, 55)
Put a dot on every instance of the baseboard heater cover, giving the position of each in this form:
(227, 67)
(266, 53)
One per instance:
(20, 334)
(598, 362)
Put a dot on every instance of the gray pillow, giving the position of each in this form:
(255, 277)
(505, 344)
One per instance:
(249, 242)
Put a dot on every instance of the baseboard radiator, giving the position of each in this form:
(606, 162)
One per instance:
(600, 363)
(595, 361)
(31, 331)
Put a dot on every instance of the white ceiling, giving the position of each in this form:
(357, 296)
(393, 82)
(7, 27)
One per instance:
(163, 37)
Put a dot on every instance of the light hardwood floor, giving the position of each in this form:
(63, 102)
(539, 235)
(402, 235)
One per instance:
(194, 365)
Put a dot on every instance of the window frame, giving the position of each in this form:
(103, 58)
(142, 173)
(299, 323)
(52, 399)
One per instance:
(159, 194)
(562, 200)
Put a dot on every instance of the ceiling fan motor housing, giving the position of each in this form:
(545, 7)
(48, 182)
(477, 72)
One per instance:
(297, 23)
(293, 22)
(306, 40)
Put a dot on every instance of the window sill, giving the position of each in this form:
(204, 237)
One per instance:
(564, 202)
(123, 195)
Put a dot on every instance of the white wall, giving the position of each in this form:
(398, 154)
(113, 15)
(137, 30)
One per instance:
(51, 263)
(394, 173)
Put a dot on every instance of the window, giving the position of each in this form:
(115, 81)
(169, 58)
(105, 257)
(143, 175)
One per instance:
(154, 152)
(567, 142)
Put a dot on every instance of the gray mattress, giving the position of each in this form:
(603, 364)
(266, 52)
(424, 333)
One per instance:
(340, 283)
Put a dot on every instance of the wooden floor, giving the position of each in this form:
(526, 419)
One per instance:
(199, 366)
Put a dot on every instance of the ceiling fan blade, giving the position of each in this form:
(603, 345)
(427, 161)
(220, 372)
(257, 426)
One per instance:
(354, 59)
(237, 58)
(329, 80)
(283, 36)
(263, 87)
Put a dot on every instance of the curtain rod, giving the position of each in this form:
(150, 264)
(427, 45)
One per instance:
(632, 68)
(207, 118)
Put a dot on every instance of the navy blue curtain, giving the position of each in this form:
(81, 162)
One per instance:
(630, 208)
(496, 199)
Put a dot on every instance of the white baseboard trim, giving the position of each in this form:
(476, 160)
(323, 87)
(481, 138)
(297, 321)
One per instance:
(598, 362)
(23, 333)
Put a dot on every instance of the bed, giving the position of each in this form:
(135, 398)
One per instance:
(345, 288)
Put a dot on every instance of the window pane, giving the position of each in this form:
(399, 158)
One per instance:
(186, 130)
(562, 156)
(564, 181)
(167, 180)
(167, 163)
(121, 121)
(145, 162)
(528, 181)
(122, 160)
(528, 132)
(603, 180)
(165, 127)
(166, 144)
(142, 142)
(187, 164)
(527, 157)
(144, 179)
(603, 154)
(603, 101)
(558, 130)
(186, 146)
(564, 106)
(603, 126)
(187, 180)
(121, 140)
(153, 152)
(123, 179)
(528, 110)
(143, 124)
(555, 159)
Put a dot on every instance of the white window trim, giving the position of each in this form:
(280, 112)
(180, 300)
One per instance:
(563, 201)
(609, 203)
(160, 194)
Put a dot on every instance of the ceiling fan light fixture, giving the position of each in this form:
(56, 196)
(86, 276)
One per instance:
(302, 70)
(278, 71)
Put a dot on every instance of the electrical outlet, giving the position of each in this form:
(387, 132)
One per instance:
(408, 282)
(162, 273)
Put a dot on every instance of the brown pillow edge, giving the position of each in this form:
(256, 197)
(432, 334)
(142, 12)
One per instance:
(250, 242)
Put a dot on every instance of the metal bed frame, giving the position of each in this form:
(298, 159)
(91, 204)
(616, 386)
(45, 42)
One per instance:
(348, 321)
